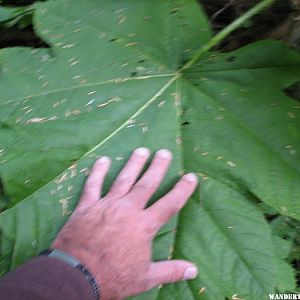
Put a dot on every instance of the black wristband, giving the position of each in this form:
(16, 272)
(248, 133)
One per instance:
(72, 261)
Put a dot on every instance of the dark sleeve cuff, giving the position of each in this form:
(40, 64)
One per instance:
(46, 278)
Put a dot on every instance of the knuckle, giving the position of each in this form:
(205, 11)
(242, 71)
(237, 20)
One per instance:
(150, 228)
(111, 209)
(173, 208)
(118, 210)
(124, 180)
(146, 187)
(92, 184)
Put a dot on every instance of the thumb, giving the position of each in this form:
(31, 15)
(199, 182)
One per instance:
(171, 271)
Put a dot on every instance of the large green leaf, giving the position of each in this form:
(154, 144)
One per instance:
(112, 81)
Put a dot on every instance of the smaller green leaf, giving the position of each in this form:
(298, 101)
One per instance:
(289, 230)
(285, 276)
(10, 16)
(284, 273)
(281, 247)
(6, 13)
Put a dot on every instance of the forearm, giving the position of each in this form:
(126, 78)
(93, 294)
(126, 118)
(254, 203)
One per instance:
(45, 278)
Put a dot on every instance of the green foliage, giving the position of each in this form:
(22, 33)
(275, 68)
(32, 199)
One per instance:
(10, 16)
(124, 74)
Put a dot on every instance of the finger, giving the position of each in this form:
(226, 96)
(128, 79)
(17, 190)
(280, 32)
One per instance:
(170, 204)
(92, 188)
(128, 175)
(171, 271)
(150, 181)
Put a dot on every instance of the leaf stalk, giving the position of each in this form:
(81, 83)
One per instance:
(220, 36)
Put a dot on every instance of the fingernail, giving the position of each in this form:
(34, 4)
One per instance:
(190, 273)
(164, 153)
(104, 160)
(191, 177)
(142, 151)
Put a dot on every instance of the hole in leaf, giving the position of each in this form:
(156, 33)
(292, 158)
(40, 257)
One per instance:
(141, 61)
(185, 123)
(293, 91)
(230, 58)
(133, 74)
(272, 217)
(112, 40)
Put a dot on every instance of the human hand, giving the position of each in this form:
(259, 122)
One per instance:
(113, 236)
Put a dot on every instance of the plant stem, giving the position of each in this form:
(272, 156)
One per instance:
(227, 30)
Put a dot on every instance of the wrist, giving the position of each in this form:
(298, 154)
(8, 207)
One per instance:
(75, 263)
